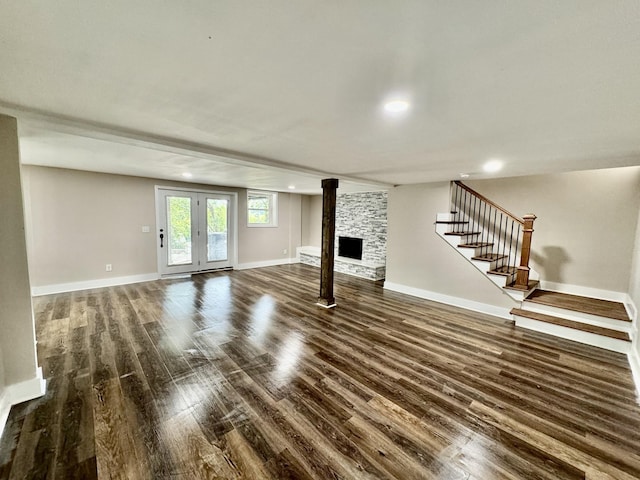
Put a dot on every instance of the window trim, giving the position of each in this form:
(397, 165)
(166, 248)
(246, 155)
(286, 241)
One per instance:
(273, 208)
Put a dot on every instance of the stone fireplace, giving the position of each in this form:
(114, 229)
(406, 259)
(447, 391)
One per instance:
(361, 217)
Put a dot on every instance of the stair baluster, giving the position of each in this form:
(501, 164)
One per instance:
(495, 226)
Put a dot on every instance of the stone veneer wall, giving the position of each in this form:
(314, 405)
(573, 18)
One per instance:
(351, 267)
(364, 215)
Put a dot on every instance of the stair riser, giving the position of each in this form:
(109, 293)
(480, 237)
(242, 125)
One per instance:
(484, 266)
(443, 217)
(579, 316)
(517, 295)
(575, 335)
(499, 280)
(455, 241)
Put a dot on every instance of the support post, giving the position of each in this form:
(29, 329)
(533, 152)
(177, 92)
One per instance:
(329, 187)
(522, 276)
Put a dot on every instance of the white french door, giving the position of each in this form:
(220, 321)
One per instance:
(196, 230)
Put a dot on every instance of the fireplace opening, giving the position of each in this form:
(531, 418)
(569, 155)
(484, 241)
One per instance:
(350, 247)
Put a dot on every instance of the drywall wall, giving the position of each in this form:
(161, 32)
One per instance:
(305, 211)
(2, 384)
(312, 226)
(17, 338)
(585, 231)
(418, 258)
(79, 221)
(258, 244)
(634, 281)
(634, 294)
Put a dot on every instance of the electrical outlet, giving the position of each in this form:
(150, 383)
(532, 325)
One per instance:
(284, 252)
(108, 267)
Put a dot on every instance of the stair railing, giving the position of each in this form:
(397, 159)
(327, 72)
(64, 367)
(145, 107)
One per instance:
(505, 234)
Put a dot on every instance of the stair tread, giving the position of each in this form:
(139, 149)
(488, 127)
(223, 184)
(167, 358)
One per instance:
(462, 234)
(452, 222)
(577, 303)
(563, 322)
(489, 257)
(475, 245)
(506, 271)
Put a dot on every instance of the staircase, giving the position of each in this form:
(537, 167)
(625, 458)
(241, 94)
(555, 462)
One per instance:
(498, 244)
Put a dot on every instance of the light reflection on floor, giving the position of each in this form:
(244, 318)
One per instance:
(288, 358)
(261, 315)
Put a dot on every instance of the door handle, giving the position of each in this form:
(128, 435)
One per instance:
(161, 237)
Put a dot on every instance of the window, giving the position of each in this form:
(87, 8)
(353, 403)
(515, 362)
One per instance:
(262, 208)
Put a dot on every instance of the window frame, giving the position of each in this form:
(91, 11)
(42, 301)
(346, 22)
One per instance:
(272, 210)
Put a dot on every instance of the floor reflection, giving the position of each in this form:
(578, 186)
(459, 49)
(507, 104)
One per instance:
(261, 315)
(288, 358)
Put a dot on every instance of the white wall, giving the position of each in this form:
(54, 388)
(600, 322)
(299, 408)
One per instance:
(634, 283)
(634, 293)
(79, 221)
(312, 221)
(5, 401)
(305, 208)
(16, 315)
(258, 244)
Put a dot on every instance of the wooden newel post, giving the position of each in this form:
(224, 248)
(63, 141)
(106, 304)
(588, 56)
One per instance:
(329, 187)
(522, 277)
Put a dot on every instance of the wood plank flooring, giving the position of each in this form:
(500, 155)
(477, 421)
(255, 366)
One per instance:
(236, 375)
(577, 303)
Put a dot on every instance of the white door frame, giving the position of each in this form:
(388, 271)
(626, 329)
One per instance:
(233, 223)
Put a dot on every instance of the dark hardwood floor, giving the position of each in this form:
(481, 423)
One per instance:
(240, 375)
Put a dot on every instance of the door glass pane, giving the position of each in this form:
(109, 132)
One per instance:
(217, 229)
(179, 230)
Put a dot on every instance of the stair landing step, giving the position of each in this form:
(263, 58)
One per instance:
(475, 245)
(489, 257)
(577, 303)
(462, 234)
(563, 322)
(451, 222)
(506, 271)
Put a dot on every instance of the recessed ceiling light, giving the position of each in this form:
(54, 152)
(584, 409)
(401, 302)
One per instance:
(187, 175)
(292, 187)
(396, 106)
(464, 175)
(492, 166)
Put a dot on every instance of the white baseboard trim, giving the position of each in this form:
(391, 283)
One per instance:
(574, 335)
(89, 284)
(450, 300)
(634, 362)
(29, 389)
(20, 392)
(5, 408)
(267, 263)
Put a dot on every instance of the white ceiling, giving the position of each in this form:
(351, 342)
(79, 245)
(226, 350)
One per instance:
(544, 85)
